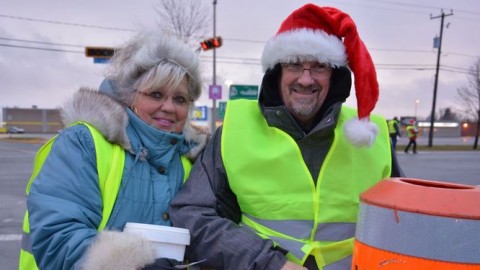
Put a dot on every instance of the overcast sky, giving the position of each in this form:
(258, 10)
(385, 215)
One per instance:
(42, 59)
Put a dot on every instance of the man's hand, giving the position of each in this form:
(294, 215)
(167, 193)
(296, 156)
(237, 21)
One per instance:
(292, 266)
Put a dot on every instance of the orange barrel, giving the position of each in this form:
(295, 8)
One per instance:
(406, 223)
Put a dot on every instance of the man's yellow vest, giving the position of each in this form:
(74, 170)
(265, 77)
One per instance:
(391, 126)
(277, 194)
(110, 163)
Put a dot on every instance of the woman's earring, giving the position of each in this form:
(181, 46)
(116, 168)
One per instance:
(134, 109)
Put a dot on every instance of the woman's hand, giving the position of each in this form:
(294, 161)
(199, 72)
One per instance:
(292, 266)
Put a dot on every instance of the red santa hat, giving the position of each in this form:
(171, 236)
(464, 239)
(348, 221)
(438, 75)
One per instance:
(328, 35)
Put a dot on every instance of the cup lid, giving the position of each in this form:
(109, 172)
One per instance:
(155, 227)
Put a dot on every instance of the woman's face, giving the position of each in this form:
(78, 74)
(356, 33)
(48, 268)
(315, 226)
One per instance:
(164, 108)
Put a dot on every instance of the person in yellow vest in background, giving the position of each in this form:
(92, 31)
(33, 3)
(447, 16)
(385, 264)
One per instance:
(278, 184)
(394, 131)
(142, 109)
(412, 136)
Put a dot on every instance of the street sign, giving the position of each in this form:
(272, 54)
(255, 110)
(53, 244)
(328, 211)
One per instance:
(97, 60)
(243, 91)
(200, 113)
(215, 91)
(222, 106)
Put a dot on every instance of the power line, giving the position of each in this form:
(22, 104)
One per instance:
(422, 6)
(230, 59)
(251, 61)
(40, 42)
(400, 50)
(65, 23)
(39, 48)
(371, 49)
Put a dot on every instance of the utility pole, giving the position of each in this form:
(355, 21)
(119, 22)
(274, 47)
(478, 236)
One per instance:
(214, 80)
(432, 117)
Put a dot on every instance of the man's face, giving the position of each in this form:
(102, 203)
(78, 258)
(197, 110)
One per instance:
(303, 88)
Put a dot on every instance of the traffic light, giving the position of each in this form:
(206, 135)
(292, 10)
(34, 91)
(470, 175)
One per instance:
(211, 43)
(99, 52)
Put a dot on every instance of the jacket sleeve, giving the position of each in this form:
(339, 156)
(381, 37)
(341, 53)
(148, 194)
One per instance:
(64, 202)
(207, 207)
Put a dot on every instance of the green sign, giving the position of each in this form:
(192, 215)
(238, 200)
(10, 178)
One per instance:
(222, 105)
(243, 91)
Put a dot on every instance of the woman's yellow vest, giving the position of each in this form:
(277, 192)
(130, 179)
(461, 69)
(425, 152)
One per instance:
(110, 163)
(411, 132)
(277, 194)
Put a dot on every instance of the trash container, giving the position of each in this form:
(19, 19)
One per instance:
(406, 223)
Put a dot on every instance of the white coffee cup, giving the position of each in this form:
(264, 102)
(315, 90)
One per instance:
(170, 242)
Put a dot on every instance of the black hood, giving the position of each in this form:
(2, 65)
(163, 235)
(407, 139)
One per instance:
(340, 86)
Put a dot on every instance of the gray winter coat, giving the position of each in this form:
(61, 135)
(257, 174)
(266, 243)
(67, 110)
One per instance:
(207, 206)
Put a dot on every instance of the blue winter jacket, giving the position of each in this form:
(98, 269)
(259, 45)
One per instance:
(65, 204)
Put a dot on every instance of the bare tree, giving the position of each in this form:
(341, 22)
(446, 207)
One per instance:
(186, 18)
(447, 114)
(469, 97)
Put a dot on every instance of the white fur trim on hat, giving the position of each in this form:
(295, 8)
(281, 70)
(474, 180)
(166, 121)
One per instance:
(361, 132)
(304, 44)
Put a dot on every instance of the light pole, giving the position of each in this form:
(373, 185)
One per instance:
(416, 108)
(228, 83)
(214, 79)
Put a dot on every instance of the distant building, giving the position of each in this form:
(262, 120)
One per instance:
(440, 128)
(33, 120)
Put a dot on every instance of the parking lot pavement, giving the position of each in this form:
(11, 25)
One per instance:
(450, 166)
(439, 140)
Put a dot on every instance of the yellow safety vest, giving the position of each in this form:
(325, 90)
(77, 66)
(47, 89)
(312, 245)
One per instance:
(411, 131)
(110, 162)
(284, 205)
(391, 126)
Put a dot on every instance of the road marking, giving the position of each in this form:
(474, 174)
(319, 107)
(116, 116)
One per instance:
(10, 237)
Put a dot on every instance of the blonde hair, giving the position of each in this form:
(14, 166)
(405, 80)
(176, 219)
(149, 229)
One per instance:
(153, 60)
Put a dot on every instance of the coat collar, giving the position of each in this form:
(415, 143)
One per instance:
(280, 118)
(151, 143)
(111, 118)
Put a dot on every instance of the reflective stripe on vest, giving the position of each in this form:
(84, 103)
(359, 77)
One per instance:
(462, 235)
(110, 163)
(302, 218)
(300, 229)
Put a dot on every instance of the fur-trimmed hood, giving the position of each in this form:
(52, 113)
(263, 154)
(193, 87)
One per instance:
(111, 119)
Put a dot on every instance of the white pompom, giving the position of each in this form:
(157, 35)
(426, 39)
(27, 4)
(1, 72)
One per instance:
(361, 132)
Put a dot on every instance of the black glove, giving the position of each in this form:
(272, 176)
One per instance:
(162, 264)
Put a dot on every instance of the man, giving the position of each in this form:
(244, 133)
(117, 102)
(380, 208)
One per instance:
(412, 137)
(394, 131)
(277, 186)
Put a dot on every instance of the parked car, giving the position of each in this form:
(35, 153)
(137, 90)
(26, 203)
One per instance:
(15, 130)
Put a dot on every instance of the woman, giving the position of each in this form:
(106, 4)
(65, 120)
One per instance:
(143, 106)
